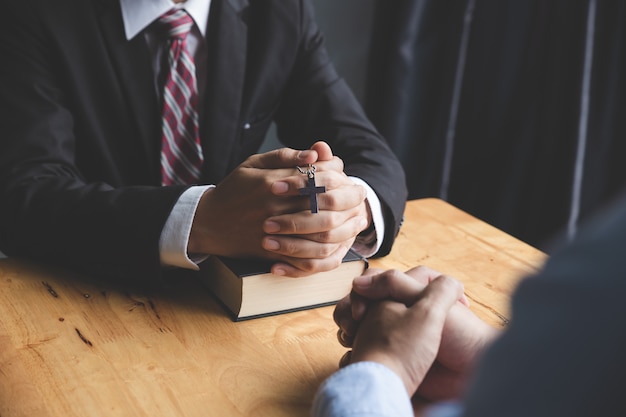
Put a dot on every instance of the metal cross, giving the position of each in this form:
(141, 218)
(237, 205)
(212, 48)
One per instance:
(311, 189)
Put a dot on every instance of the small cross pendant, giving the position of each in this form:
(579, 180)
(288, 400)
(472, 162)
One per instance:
(312, 190)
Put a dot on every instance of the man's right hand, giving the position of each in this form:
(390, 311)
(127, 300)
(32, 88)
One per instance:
(229, 218)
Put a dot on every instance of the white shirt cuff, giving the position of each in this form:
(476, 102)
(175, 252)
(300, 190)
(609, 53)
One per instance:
(368, 245)
(175, 234)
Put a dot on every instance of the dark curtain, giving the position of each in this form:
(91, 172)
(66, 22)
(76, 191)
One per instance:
(511, 110)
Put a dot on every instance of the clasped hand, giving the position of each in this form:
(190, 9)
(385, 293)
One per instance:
(416, 323)
(257, 212)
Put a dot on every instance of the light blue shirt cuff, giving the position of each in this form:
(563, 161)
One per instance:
(448, 409)
(175, 234)
(363, 389)
(368, 245)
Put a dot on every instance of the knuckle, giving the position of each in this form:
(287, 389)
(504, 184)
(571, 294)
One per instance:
(363, 192)
(292, 226)
(307, 265)
(333, 179)
(289, 249)
(285, 154)
(325, 251)
(335, 264)
(333, 260)
(328, 221)
(390, 276)
(423, 271)
(451, 283)
(324, 237)
(330, 200)
(339, 163)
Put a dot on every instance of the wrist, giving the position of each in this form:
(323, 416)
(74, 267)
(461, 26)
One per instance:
(398, 367)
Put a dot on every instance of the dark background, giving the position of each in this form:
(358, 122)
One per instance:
(347, 28)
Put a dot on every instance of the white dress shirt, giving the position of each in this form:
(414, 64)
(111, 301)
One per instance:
(138, 15)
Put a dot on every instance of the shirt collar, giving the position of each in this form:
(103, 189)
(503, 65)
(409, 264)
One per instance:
(138, 14)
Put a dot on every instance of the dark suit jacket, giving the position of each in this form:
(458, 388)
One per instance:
(80, 125)
(564, 351)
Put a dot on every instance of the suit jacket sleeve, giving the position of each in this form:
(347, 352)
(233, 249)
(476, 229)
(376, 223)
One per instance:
(50, 210)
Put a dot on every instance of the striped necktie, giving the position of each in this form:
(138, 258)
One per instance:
(181, 152)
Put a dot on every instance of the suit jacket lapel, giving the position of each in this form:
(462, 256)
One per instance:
(227, 40)
(133, 65)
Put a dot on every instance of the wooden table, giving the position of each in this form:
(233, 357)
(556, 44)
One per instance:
(73, 348)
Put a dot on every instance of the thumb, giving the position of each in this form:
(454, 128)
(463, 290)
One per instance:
(281, 158)
(440, 295)
(391, 284)
(323, 151)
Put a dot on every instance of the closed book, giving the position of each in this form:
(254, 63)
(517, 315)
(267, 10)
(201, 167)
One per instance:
(249, 290)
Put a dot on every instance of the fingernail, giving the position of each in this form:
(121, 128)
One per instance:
(271, 244)
(279, 271)
(271, 227)
(303, 155)
(363, 223)
(280, 187)
(363, 281)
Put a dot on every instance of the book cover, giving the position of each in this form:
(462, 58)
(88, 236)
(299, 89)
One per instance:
(249, 290)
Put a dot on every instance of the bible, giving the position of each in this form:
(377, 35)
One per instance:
(249, 290)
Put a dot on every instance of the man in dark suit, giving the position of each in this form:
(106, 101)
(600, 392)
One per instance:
(80, 173)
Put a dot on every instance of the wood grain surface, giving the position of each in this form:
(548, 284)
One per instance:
(72, 346)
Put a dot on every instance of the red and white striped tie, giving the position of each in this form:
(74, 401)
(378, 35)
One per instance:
(181, 151)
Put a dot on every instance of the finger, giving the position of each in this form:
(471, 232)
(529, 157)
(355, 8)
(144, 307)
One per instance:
(373, 271)
(342, 310)
(345, 359)
(439, 296)
(281, 158)
(342, 315)
(335, 210)
(334, 164)
(344, 197)
(296, 247)
(358, 306)
(329, 175)
(337, 232)
(301, 267)
(344, 339)
(425, 275)
(391, 284)
(305, 222)
(323, 150)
